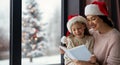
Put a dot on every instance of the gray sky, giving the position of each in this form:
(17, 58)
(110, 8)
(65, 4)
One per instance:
(4, 16)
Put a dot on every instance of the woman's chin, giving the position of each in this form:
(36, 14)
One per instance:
(93, 29)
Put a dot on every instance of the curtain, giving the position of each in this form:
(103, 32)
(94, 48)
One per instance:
(118, 13)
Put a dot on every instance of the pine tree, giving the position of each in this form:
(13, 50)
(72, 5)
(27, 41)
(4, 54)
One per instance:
(31, 30)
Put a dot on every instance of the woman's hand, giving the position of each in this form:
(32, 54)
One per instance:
(77, 62)
(93, 59)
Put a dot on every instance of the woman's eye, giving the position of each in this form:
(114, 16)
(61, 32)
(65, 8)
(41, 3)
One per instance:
(93, 19)
(88, 20)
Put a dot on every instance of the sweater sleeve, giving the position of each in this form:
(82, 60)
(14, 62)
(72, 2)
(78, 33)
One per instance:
(70, 43)
(114, 52)
(68, 61)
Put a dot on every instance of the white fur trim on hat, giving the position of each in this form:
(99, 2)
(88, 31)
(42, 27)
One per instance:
(92, 9)
(73, 20)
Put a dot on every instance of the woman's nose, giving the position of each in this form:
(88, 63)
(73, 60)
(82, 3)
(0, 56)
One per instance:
(90, 23)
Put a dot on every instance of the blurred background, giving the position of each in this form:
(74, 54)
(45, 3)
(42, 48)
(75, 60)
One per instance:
(41, 31)
(4, 30)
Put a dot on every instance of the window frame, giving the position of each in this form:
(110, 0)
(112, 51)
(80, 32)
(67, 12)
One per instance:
(64, 14)
(15, 32)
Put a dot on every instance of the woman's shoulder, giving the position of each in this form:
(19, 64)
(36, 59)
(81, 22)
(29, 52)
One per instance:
(115, 34)
(116, 31)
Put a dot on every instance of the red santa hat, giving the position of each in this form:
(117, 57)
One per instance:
(96, 8)
(69, 17)
(74, 19)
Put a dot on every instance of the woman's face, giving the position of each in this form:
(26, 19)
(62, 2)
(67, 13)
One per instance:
(94, 22)
(78, 29)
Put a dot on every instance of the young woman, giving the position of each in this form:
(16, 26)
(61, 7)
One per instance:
(107, 38)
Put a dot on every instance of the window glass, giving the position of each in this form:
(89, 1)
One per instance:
(41, 31)
(4, 31)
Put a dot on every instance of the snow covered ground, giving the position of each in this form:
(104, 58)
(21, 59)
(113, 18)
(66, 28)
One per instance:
(47, 60)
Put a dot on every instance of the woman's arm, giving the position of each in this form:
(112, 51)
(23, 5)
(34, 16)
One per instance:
(113, 57)
(84, 63)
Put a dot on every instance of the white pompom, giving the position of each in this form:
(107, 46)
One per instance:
(91, 31)
(64, 39)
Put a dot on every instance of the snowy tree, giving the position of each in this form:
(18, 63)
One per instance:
(33, 38)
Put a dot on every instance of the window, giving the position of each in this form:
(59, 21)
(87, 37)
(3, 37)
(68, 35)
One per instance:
(4, 31)
(41, 31)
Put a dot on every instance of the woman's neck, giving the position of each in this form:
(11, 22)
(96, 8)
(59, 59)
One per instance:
(105, 29)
